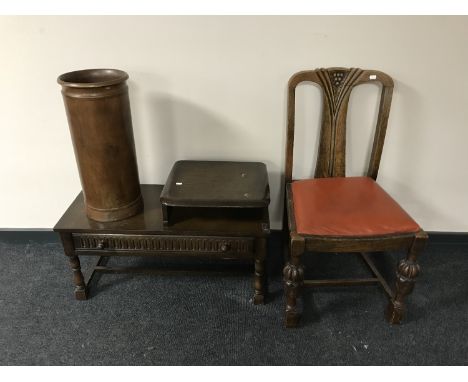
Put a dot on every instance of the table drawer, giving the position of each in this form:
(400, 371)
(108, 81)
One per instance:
(186, 244)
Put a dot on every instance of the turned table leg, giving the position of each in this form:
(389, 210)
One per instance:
(81, 292)
(407, 271)
(293, 277)
(260, 283)
(78, 279)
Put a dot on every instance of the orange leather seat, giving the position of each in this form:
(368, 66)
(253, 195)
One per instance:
(351, 206)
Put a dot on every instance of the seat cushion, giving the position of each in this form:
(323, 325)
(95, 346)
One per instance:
(352, 206)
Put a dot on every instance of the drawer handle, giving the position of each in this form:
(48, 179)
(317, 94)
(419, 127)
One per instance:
(101, 244)
(225, 247)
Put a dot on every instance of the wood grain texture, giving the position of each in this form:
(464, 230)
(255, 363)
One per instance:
(184, 245)
(260, 279)
(235, 233)
(217, 184)
(407, 271)
(99, 118)
(336, 85)
(186, 221)
(293, 277)
(81, 292)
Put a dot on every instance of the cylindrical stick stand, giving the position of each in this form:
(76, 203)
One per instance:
(98, 111)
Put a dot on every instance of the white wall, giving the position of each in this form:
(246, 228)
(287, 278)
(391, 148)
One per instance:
(215, 88)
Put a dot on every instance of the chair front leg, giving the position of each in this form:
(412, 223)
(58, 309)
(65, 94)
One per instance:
(293, 277)
(407, 271)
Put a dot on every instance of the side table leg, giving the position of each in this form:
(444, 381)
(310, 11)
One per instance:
(260, 277)
(81, 292)
(78, 279)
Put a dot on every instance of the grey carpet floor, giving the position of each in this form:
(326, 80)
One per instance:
(208, 319)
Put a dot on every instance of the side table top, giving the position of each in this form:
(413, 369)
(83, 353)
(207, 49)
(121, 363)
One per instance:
(217, 184)
(235, 222)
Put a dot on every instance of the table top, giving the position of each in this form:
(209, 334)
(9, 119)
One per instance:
(186, 221)
(217, 184)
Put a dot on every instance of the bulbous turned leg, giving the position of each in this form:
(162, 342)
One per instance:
(260, 283)
(293, 277)
(407, 271)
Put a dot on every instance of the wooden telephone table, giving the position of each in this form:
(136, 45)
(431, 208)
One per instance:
(210, 209)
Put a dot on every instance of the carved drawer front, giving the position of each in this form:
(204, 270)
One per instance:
(187, 244)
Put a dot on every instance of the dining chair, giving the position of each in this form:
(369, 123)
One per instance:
(332, 213)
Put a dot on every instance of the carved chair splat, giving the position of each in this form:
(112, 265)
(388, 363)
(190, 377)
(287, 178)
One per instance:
(378, 224)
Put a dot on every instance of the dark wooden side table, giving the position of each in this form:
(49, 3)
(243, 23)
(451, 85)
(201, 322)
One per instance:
(224, 233)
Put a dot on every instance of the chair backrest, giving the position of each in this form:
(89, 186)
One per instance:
(336, 85)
